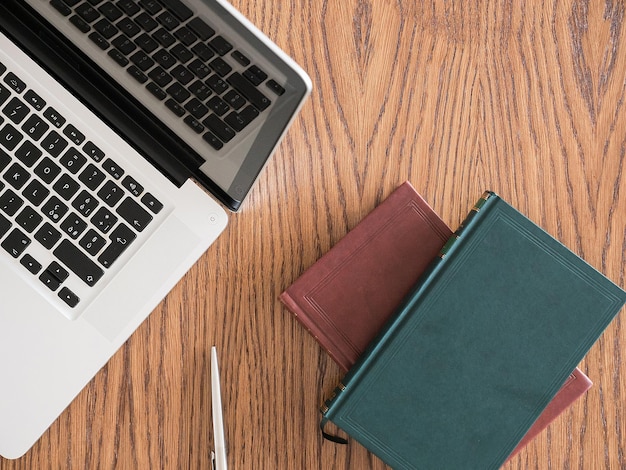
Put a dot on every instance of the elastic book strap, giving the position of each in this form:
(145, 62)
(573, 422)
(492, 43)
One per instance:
(330, 437)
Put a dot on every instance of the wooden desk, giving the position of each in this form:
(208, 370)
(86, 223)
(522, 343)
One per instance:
(525, 98)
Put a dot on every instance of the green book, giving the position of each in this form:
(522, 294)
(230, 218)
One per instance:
(478, 348)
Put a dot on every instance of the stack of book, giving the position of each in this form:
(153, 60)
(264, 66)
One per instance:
(459, 347)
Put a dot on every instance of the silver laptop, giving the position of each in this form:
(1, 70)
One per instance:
(126, 126)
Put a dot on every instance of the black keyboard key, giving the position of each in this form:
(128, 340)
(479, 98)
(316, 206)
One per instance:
(220, 66)
(218, 85)
(10, 137)
(48, 236)
(110, 11)
(167, 20)
(35, 127)
(29, 219)
(118, 57)
(31, 264)
(28, 153)
(164, 58)
(239, 121)
(15, 243)
(200, 89)
(110, 193)
(203, 30)
(185, 35)
(255, 75)
(69, 297)
(146, 22)
(10, 202)
(81, 24)
(4, 94)
(66, 187)
(134, 214)
(220, 45)
(146, 43)
(219, 128)
(85, 203)
(103, 220)
(16, 110)
(87, 12)
(92, 242)
(174, 107)
(58, 271)
(74, 134)
(160, 76)
(194, 124)
(199, 68)
(54, 143)
(142, 60)
(92, 177)
(120, 238)
(218, 106)
(49, 281)
(182, 74)
(129, 7)
(14, 82)
(239, 57)
(182, 11)
(137, 74)
(47, 170)
(247, 89)
(61, 7)
(33, 99)
(17, 176)
(132, 186)
(5, 159)
(178, 92)
(79, 263)
(195, 107)
(182, 53)
(129, 27)
(275, 87)
(93, 151)
(99, 40)
(123, 44)
(156, 91)
(151, 6)
(73, 226)
(234, 99)
(105, 28)
(113, 168)
(35, 192)
(152, 203)
(203, 51)
(163, 37)
(73, 160)
(54, 209)
(53, 116)
(5, 225)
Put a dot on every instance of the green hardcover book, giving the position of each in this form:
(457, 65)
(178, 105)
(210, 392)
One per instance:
(478, 349)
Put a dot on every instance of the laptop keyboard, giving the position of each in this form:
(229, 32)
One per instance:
(67, 210)
(196, 73)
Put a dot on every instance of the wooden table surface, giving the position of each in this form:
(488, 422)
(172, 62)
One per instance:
(525, 98)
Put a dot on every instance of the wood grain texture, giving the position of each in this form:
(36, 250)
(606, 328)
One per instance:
(525, 98)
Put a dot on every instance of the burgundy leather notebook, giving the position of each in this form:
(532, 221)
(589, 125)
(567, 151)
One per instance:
(348, 294)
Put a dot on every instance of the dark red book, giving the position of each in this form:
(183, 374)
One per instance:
(346, 297)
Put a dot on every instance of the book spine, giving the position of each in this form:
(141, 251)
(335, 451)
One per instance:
(413, 298)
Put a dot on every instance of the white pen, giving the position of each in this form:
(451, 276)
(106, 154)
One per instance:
(219, 456)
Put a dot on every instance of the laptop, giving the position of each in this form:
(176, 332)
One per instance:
(129, 129)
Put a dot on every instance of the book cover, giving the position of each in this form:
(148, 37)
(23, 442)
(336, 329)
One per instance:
(346, 297)
(477, 349)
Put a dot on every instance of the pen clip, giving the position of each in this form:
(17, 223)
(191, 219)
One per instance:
(213, 464)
